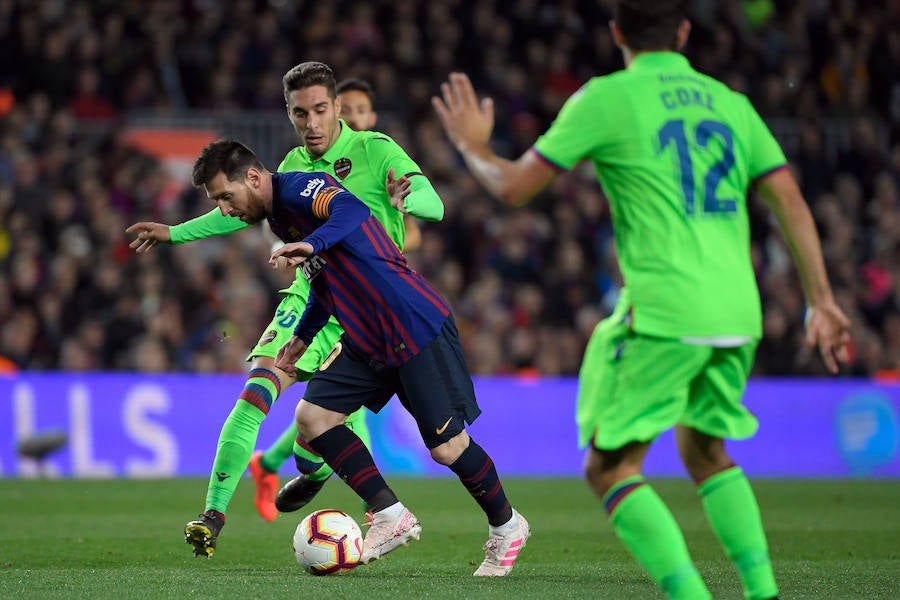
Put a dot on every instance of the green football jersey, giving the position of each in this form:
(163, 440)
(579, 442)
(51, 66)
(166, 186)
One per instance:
(360, 160)
(675, 152)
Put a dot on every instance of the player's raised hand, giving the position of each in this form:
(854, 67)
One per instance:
(467, 121)
(295, 253)
(289, 354)
(828, 328)
(149, 234)
(398, 189)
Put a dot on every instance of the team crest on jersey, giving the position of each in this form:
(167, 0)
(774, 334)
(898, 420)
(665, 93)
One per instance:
(267, 337)
(342, 167)
(312, 266)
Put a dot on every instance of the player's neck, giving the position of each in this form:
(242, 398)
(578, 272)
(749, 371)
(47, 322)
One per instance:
(628, 55)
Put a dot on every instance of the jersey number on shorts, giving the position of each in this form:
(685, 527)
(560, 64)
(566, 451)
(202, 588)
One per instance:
(673, 131)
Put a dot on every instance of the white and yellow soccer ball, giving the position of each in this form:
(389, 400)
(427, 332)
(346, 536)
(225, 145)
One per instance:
(328, 542)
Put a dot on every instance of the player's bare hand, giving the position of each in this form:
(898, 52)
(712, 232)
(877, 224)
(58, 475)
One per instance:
(828, 328)
(149, 234)
(294, 253)
(398, 188)
(281, 264)
(467, 121)
(289, 354)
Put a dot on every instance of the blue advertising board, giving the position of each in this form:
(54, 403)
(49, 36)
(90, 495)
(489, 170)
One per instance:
(129, 425)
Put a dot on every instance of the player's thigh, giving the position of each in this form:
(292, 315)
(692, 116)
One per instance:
(716, 405)
(633, 387)
(436, 388)
(281, 329)
(345, 382)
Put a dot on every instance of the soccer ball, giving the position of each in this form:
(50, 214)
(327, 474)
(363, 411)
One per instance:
(328, 542)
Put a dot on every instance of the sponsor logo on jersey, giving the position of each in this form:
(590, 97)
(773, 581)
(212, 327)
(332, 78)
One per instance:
(313, 187)
(312, 266)
(342, 167)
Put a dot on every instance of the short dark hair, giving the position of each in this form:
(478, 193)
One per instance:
(354, 84)
(223, 155)
(306, 75)
(650, 24)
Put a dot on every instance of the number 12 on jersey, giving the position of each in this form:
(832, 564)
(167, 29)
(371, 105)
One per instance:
(674, 131)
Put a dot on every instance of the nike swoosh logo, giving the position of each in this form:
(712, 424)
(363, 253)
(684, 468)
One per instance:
(441, 430)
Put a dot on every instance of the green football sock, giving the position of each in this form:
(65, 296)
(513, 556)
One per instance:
(357, 424)
(644, 524)
(236, 442)
(310, 463)
(733, 513)
(276, 454)
(238, 436)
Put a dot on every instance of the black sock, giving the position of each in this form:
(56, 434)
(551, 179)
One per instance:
(476, 471)
(351, 460)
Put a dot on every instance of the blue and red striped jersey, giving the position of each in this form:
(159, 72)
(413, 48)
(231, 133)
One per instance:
(388, 311)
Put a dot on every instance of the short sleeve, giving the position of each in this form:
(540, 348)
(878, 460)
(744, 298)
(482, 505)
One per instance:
(569, 140)
(764, 152)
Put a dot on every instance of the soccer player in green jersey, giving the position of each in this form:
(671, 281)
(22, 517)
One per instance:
(676, 153)
(372, 166)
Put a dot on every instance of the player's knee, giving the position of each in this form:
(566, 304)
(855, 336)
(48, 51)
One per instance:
(701, 454)
(313, 421)
(593, 469)
(307, 425)
(449, 451)
(603, 469)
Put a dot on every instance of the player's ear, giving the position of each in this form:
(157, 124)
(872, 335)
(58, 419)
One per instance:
(374, 118)
(253, 177)
(617, 36)
(684, 30)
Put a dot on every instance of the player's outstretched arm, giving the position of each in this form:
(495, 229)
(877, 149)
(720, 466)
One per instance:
(211, 224)
(148, 235)
(469, 123)
(827, 327)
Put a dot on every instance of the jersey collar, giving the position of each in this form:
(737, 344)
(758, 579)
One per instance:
(659, 60)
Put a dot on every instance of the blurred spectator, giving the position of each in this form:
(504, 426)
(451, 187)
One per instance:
(527, 286)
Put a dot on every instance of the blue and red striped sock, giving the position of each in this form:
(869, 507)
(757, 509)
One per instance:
(476, 471)
(351, 460)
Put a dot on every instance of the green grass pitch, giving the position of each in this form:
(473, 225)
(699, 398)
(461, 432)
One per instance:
(123, 539)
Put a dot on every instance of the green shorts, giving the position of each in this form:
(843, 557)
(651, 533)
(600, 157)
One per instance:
(632, 387)
(281, 329)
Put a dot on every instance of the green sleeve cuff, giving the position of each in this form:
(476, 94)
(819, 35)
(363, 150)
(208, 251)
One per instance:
(212, 224)
(423, 201)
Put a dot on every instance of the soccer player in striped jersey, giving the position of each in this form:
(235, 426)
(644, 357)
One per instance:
(366, 163)
(676, 152)
(357, 110)
(399, 338)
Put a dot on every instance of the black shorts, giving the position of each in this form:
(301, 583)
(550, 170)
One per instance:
(434, 386)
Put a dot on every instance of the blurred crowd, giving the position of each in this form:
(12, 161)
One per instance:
(527, 285)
